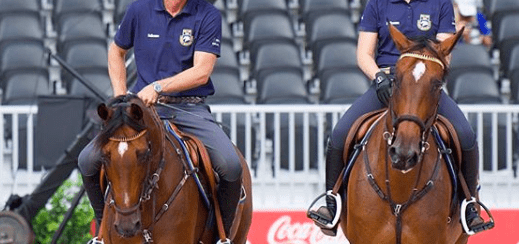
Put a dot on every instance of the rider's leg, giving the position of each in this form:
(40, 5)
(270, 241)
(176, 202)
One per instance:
(89, 166)
(226, 162)
(368, 102)
(470, 154)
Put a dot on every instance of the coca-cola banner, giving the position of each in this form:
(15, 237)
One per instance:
(293, 227)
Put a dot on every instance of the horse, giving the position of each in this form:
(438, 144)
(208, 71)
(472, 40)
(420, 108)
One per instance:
(151, 191)
(400, 189)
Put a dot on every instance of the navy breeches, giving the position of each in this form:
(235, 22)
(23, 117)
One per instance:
(195, 119)
(369, 102)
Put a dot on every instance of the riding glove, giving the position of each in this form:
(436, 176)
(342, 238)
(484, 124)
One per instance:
(383, 87)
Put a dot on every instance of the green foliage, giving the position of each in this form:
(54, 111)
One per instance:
(77, 229)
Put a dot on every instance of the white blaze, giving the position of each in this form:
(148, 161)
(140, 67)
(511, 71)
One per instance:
(418, 71)
(123, 146)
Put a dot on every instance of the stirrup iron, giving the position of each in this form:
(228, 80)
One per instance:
(320, 221)
(95, 241)
(478, 228)
(227, 241)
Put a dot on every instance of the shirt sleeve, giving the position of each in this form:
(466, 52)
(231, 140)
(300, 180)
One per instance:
(369, 18)
(447, 22)
(210, 33)
(124, 36)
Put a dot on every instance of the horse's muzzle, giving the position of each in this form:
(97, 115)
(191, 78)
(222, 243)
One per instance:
(128, 225)
(403, 159)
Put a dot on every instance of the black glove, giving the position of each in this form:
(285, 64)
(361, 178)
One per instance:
(383, 86)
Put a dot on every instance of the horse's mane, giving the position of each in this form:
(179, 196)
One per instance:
(119, 118)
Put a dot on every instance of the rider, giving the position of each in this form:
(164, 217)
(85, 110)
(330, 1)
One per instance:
(376, 57)
(176, 44)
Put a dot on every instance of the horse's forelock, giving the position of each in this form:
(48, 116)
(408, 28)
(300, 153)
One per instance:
(121, 117)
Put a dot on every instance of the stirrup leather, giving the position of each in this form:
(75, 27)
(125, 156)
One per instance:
(319, 221)
(480, 227)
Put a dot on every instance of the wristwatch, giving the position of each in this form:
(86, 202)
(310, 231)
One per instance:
(157, 87)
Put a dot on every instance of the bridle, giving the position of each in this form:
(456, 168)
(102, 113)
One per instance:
(425, 126)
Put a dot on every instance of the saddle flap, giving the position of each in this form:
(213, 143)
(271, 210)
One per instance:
(450, 137)
(359, 129)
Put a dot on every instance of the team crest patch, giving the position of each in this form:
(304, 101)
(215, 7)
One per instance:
(424, 23)
(186, 38)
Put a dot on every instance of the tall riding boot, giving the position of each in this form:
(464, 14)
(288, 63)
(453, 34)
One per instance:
(95, 195)
(228, 198)
(470, 170)
(324, 216)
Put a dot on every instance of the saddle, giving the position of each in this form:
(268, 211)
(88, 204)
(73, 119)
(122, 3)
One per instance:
(196, 153)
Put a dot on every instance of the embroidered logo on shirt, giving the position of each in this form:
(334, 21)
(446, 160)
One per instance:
(186, 38)
(153, 35)
(424, 23)
(216, 42)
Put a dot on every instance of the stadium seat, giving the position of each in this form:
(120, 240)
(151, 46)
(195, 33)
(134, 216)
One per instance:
(20, 26)
(97, 77)
(511, 69)
(275, 56)
(267, 27)
(343, 87)
(468, 58)
(17, 6)
(496, 9)
(79, 28)
(507, 28)
(24, 88)
(310, 7)
(334, 56)
(65, 8)
(226, 30)
(228, 87)
(475, 87)
(330, 27)
(282, 87)
(85, 56)
(22, 56)
(252, 7)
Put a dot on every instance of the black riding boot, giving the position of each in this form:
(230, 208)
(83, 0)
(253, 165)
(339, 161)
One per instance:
(95, 195)
(228, 198)
(470, 170)
(324, 215)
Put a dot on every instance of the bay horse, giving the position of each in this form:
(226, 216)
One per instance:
(400, 190)
(151, 192)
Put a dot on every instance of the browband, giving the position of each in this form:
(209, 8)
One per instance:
(424, 57)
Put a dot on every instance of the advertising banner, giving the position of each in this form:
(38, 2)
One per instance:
(293, 227)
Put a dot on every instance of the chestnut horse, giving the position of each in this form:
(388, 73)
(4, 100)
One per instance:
(400, 189)
(152, 194)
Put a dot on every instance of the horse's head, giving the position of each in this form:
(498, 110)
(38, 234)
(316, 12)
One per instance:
(419, 77)
(131, 146)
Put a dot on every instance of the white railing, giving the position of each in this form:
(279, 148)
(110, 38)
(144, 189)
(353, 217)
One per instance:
(284, 145)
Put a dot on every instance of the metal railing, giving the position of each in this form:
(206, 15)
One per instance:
(285, 148)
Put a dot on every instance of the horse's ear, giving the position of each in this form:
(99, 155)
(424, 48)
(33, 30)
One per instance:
(102, 111)
(400, 40)
(448, 44)
(136, 111)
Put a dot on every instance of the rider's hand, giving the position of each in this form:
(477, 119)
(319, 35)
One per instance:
(148, 95)
(383, 87)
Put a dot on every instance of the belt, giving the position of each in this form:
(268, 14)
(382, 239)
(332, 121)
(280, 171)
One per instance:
(177, 100)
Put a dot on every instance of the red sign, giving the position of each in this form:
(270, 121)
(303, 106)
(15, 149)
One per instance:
(293, 227)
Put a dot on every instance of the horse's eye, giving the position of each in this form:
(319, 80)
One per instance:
(144, 155)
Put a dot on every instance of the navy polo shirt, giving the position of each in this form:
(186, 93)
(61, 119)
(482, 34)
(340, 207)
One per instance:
(417, 18)
(164, 45)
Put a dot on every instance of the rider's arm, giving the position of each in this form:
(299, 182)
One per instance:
(203, 63)
(366, 53)
(117, 69)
